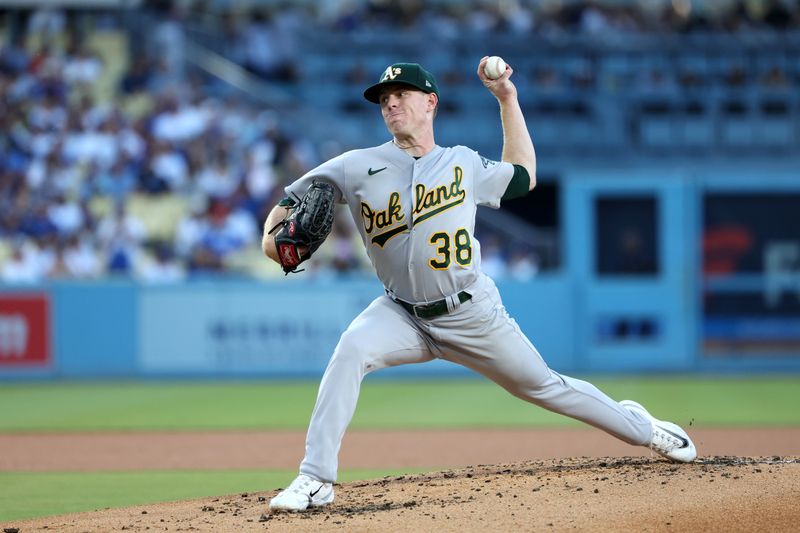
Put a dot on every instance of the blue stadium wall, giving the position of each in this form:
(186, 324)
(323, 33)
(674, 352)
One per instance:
(583, 317)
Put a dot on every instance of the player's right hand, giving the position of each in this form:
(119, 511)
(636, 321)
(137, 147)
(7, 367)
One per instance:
(502, 87)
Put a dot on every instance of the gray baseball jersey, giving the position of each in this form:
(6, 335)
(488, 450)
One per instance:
(416, 216)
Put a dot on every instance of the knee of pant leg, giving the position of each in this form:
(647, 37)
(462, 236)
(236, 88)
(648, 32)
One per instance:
(353, 351)
(539, 389)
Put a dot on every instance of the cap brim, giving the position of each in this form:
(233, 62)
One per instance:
(373, 93)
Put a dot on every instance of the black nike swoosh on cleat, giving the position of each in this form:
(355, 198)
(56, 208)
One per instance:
(371, 172)
(684, 441)
(312, 494)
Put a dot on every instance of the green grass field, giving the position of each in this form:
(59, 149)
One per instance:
(383, 404)
(266, 405)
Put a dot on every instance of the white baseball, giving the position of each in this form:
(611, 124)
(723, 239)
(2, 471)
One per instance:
(494, 67)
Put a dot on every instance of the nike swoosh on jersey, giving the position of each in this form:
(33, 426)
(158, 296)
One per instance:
(371, 172)
(384, 237)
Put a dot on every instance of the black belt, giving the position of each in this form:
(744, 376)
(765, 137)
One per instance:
(433, 309)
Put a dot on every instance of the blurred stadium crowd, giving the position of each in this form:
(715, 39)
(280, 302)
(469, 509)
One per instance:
(117, 159)
(450, 17)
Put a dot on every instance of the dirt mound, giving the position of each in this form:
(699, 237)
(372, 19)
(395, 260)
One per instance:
(614, 494)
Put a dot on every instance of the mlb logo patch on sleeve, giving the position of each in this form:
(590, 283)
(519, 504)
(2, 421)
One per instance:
(487, 162)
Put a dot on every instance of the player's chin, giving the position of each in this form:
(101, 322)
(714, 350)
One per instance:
(396, 127)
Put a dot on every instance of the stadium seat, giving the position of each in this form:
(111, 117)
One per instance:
(159, 214)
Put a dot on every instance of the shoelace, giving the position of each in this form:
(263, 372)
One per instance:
(665, 442)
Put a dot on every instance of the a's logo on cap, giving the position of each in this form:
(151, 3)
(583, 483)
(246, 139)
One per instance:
(391, 73)
(427, 83)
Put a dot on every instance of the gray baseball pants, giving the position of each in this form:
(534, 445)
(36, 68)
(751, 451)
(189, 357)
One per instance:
(480, 335)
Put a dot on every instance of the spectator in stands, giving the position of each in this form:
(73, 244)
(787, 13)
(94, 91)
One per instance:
(42, 169)
(163, 267)
(21, 267)
(58, 268)
(241, 223)
(36, 222)
(481, 19)
(47, 22)
(66, 215)
(10, 183)
(268, 49)
(176, 123)
(217, 179)
(16, 203)
(14, 57)
(42, 254)
(204, 261)
(517, 17)
(80, 257)
(168, 41)
(48, 114)
(82, 67)
(117, 182)
(223, 233)
(594, 21)
(131, 139)
(190, 229)
(167, 169)
(259, 177)
(137, 78)
(121, 236)
(79, 140)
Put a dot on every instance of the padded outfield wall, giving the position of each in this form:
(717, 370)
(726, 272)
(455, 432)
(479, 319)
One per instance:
(715, 287)
(234, 329)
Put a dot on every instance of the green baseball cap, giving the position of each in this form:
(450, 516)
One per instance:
(408, 73)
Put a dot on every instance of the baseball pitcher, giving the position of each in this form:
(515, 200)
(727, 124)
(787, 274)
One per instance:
(414, 205)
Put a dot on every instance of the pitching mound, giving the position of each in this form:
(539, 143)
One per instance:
(612, 494)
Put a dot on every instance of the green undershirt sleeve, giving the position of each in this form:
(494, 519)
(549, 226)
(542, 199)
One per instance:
(519, 185)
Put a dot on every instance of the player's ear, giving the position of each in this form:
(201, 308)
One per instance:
(433, 103)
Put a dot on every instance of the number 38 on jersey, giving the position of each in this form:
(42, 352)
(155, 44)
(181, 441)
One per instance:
(456, 248)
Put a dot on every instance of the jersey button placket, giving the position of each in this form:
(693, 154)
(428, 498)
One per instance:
(411, 227)
(413, 187)
(412, 232)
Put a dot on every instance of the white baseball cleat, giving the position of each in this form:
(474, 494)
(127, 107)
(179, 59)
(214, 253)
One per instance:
(302, 493)
(668, 440)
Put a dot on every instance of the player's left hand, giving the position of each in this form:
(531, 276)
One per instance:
(305, 229)
(502, 87)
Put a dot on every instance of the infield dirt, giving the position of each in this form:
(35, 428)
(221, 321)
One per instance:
(641, 493)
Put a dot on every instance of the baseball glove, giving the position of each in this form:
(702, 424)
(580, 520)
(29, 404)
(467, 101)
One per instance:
(306, 227)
